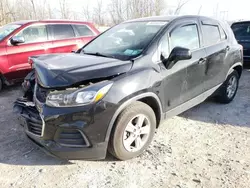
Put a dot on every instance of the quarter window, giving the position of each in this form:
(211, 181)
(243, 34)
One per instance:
(211, 34)
(186, 36)
(223, 35)
(83, 30)
(62, 31)
(34, 33)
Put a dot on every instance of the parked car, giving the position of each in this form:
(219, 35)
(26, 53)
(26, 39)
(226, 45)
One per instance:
(114, 95)
(19, 40)
(241, 31)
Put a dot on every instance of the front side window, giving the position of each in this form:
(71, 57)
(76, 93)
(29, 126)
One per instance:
(186, 36)
(62, 31)
(125, 41)
(83, 30)
(36, 33)
(7, 29)
(211, 34)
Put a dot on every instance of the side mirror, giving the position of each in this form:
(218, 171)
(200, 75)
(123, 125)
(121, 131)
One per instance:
(177, 54)
(17, 40)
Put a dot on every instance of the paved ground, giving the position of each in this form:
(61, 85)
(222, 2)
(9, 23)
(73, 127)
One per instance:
(207, 146)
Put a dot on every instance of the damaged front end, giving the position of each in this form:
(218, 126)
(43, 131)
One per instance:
(68, 122)
(68, 132)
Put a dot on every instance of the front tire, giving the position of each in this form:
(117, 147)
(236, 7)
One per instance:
(229, 88)
(133, 131)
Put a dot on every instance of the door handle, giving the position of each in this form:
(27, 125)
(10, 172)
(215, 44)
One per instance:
(202, 61)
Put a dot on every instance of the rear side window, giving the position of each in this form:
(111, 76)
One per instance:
(83, 30)
(186, 36)
(241, 30)
(62, 31)
(36, 33)
(211, 34)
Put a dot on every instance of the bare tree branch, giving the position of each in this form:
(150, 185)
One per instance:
(180, 5)
(34, 8)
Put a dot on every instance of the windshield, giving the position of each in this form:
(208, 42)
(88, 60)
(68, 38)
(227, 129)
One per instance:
(241, 30)
(7, 29)
(124, 41)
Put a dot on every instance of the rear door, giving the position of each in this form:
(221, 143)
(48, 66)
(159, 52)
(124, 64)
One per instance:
(84, 34)
(216, 45)
(242, 34)
(36, 42)
(63, 38)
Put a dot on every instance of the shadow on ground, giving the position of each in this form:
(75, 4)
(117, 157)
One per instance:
(236, 113)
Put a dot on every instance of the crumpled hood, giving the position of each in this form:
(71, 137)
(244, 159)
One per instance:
(63, 70)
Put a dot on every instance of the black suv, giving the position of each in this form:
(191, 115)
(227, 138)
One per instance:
(112, 94)
(241, 31)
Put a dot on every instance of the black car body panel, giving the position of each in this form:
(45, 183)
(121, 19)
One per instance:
(83, 132)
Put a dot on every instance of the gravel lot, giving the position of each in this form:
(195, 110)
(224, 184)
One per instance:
(207, 146)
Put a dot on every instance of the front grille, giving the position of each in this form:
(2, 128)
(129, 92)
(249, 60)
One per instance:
(33, 119)
(41, 94)
(71, 138)
(35, 127)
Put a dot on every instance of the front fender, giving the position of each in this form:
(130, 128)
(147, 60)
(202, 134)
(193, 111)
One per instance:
(127, 103)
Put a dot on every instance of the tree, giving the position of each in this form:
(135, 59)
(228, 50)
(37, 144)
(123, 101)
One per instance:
(180, 5)
(34, 8)
(86, 12)
(98, 13)
(64, 9)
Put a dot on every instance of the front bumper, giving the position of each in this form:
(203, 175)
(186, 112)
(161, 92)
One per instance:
(67, 133)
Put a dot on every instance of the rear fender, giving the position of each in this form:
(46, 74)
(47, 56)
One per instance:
(232, 68)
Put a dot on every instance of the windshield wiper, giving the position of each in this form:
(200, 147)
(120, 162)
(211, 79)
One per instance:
(98, 54)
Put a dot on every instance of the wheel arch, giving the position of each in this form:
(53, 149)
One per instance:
(238, 67)
(148, 98)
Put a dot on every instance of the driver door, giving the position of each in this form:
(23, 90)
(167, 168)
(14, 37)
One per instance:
(36, 43)
(185, 79)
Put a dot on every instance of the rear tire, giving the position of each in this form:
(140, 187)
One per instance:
(133, 131)
(229, 88)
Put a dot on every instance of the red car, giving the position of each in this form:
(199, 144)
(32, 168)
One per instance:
(20, 40)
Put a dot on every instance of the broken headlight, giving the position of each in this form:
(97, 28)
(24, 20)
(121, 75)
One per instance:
(78, 97)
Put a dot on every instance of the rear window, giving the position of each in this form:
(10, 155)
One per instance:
(83, 30)
(211, 34)
(62, 31)
(241, 30)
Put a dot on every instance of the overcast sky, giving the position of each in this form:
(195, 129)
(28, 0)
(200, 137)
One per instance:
(236, 9)
(227, 9)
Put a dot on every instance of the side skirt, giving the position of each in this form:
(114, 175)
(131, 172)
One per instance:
(189, 104)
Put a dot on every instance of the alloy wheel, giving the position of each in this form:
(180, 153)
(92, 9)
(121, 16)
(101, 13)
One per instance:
(231, 87)
(136, 133)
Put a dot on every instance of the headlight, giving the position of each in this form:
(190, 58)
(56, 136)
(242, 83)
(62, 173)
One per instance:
(78, 97)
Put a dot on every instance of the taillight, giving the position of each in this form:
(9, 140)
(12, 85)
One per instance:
(241, 47)
(30, 61)
(241, 51)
